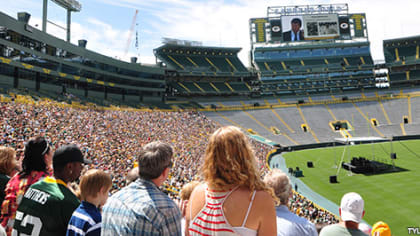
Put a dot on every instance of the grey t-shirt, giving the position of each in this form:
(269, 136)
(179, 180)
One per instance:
(339, 230)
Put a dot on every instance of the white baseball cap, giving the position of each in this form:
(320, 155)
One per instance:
(352, 206)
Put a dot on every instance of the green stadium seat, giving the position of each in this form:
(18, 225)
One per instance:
(239, 87)
(191, 87)
(415, 75)
(221, 64)
(207, 87)
(202, 61)
(179, 88)
(397, 76)
(314, 62)
(222, 87)
(409, 51)
(238, 64)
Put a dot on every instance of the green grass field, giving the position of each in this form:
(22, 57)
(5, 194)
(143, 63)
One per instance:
(392, 197)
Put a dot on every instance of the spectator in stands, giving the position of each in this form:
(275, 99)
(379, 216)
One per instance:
(132, 175)
(233, 190)
(381, 228)
(184, 196)
(49, 203)
(287, 222)
(351, 213)
(295, 34)
(36, 164)
(94, 189)
(141, 208)
(8, 167)
(112, 138)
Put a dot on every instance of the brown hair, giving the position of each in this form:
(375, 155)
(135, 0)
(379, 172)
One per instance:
(92, 182)
(8, 160)
(229, 161)
(153, 159)
(187, 190)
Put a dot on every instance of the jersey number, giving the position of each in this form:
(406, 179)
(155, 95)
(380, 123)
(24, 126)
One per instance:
(28, 219)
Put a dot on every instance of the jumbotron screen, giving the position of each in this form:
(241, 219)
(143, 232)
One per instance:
(304, 26)
(310, 27)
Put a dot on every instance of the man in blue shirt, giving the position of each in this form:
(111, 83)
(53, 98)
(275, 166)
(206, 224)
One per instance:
(295, 34)
(287, 223)
(141, 208)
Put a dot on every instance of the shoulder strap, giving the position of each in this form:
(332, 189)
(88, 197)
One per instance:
(249, 208)
(228, 193)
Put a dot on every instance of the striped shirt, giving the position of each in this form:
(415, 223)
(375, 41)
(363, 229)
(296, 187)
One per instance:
(140, 209)
(211, 219)
(86, 220)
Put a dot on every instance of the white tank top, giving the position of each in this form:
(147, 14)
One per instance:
(211, 219)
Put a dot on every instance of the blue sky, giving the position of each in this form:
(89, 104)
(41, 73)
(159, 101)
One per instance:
(106, 23)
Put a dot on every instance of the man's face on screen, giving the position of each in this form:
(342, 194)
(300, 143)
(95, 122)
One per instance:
(295, 27)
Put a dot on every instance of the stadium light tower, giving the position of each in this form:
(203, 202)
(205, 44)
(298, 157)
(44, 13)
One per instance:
(69, 5)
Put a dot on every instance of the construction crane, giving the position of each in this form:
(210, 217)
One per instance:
(133, 23)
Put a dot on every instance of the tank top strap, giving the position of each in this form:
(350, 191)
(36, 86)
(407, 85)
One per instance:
(211, 199)
(249, 209)
(219, 197)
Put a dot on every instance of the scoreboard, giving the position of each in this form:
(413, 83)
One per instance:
(309, 23)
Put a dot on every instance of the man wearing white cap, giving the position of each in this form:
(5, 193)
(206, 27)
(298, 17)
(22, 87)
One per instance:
(351, 213)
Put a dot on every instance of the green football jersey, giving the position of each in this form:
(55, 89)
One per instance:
(46, 209)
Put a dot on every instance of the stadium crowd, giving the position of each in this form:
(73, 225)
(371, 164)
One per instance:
(113, 138)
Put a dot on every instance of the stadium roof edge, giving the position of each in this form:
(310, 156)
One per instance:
(395, 40)
(175, 46)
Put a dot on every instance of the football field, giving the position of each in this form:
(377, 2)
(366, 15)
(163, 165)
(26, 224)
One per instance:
(392, 197)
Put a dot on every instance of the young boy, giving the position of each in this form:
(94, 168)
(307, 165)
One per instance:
(94, 190)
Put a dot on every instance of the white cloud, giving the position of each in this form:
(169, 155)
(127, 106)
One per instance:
(217, 23)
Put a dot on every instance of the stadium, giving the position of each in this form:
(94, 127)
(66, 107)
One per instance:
(314, 104)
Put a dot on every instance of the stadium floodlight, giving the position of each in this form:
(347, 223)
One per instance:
(71, 5)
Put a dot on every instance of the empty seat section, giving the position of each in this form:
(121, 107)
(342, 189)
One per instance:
(191, 87)
(276, 66)
(221, 86)
(293, 65)
(397, 76)
(409, 53)
(181, 59)
(201, 62)
(221, 64)
(179, 88)
(415, 75)
(239, 87)
(368, 61)
(206, 86)
(165, 58)
(353, 61)
(238, 64)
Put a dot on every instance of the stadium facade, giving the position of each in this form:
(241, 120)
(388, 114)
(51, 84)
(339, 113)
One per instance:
(332, 56)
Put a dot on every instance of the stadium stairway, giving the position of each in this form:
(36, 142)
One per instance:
(273, 123)
(318, 120)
